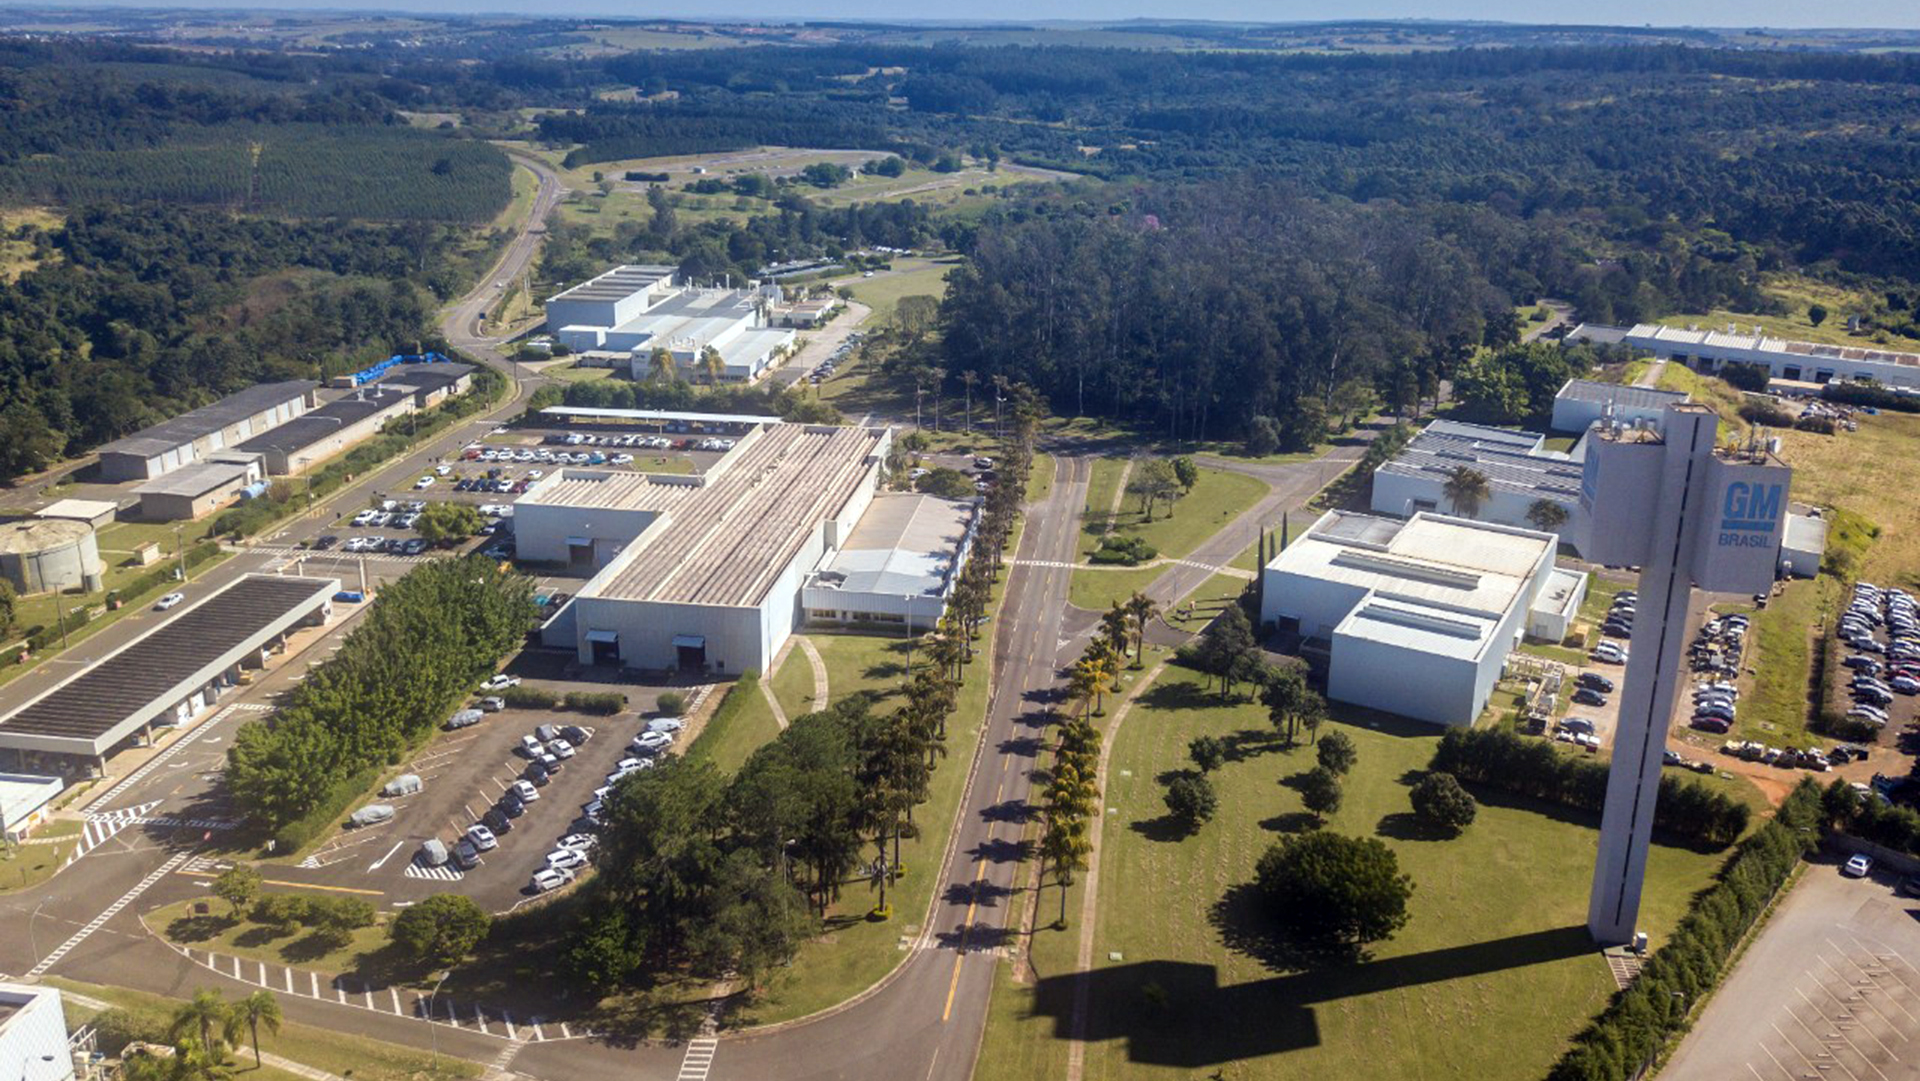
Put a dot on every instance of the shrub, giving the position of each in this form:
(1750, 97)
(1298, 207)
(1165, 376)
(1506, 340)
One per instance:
(1866, 394)
(1751, 377)
(1638, 1021)
(1323, 887)
(1439, 799)
(1766, 413)
(441, 930)
(284, 913)
(600, 703)
(1320, 791)
(671, 704)
(114, 1029)
(1191, 800)
(1207, 752)
(1817, 425)
(524, 697)
(1337, 753)
(1128, 551)
(1530, 767)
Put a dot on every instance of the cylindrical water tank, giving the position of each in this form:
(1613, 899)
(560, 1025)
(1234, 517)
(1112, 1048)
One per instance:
(40, 554)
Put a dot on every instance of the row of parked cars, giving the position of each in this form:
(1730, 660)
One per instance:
(1880, 671)
(824, 370)
(574, 849)
(1715, 706)
(1617, 628)
(1719, 647)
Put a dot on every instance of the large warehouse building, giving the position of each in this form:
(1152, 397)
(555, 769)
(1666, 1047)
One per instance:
(707, 573)
(164, 677)
(1808, 362)
(632, 310)
(1416, 617)
(336, 427)
(197, 435)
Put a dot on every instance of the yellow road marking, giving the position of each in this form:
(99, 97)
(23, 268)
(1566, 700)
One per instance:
(295, 885)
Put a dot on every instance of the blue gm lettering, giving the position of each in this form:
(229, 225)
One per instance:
(1750, 514)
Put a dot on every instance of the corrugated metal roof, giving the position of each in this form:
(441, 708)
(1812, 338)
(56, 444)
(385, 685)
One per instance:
(204, 421)
(904, 546)
(1625, 396)
(194, 480)
(1506, 457)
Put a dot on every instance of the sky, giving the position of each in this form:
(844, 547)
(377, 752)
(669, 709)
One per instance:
(1720, 13)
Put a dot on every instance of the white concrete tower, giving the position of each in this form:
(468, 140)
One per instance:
(1688, 514)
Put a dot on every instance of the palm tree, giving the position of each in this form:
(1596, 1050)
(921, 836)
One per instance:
(1467, 490)
(712, 365)
(968, 379)
(1065, 847)
(201, 1014)
(1143, 609)
(663, 368)
(259, 1008)
(1117, 625)
(1546, 515)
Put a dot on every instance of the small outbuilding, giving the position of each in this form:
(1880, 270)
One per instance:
(97, 513)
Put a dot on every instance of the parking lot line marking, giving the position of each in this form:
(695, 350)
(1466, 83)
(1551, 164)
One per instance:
(1856, 1050)
(295, 885)
(453, 1014)
(381, 862)
(289, 973)
(506, 1018)
(539, 1036)
(1776, 1060)
(313, 981)
(396, 998)
(236, 968)
(564, 1034)
(263, 973)
(341, 993)
(1870, 980)
(1802, 1055)
(366, 992)
(480, 1018)
(1818, 1043)
(1756, 1073)
(1843, 1006)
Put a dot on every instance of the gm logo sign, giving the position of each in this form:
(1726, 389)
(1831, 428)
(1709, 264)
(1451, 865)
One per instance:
(1750, 514)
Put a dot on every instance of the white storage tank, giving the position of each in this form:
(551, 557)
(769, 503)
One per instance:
(38, 555)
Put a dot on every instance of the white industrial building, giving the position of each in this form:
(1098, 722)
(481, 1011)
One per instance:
(1416, 617)
(1582, 403)
(1807, 362)
(1520, 472)
(701, 573)
(898, 566)
(630, 311)
(33, 1034)
(195, 436)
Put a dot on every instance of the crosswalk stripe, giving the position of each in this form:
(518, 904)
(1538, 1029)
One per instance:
(698, 1061)
(438, 874)
(126, 899)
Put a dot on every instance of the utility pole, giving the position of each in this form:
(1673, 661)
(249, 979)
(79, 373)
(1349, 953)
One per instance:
(180, 550)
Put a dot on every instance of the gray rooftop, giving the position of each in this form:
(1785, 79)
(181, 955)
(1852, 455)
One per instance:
(192, 425)
(1505, 456)
(621, 281)
(318, 424)
(193, 480)
(1599, 333)
(903, 546)
(108, 692)
(425, 377)
(1620, 394)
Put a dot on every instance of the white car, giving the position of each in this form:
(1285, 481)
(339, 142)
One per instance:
(565, 859)
(651, 742)
(535, 474)
(666, 724)
(550, 879)
(443, 470)
(482, 838)
(423, 482)
(363, 518)
(622, 459)
(169, 601)
(1858, 867)
(580, 842)
(500, 682)
(560, 748)
(524, 790)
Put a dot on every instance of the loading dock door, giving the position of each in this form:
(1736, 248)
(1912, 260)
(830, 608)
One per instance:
(606, 646)
(579, 551)
(691, 651)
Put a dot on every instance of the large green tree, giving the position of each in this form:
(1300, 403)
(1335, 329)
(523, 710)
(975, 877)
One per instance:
(1328, 888)
(440, 930)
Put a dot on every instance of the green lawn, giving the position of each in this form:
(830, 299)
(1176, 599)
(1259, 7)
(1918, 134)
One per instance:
(1798, 294)
(1773, 705)
(793, 684)
(341, 1053)
(366, 953)
(1491, 976)
(727, 740)
(1101, 488)
(1217, 498)
(913, 277)
(27, 865)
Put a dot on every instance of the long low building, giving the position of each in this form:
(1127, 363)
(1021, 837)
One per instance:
(195, 436)
(166, 676)
(1416, 617)
(632, 311)
(199, 489)
(1811, 362)
(332, 429)
(712, 573)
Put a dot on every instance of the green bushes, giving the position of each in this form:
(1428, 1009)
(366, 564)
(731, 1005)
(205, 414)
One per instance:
(1767, 414)
(1869, 395)
(1501, 759)
(1639, 1021)
(600, 703)
(530, 698)
(424, 644)
(326, 809)
(1753, 377)
(1872, 819)
(1816, 425)
(671, 704)
(1126, 551)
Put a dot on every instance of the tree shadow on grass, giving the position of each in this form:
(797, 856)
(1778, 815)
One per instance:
(260, 935)
(1407, 826)
(1250, 743)
(198, 928)
(1178, 694)
(314, 946)
(1241, 920)
(1165, 829)
(1290, 822)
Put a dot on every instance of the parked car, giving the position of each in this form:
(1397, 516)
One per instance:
(433, 853)
(549, 879)
(1858, 866)
(464, 718)
(465, 855)
(1716, 725)
(1597, 681)
(651, 743)
(546, 732)
(492, 704)
(531, 747)
(497, 821)
(325, 542)
(371, 814)
(1577, 724)
(482, 838)
(169, 601)
(575, 734)
(565, 859)
(525, 791)
(580, 842)
(1587, 696)
(537, 773)
(560, 749)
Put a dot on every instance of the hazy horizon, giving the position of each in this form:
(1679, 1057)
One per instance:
(1719, 14)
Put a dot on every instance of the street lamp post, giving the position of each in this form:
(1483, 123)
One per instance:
(432, 1027)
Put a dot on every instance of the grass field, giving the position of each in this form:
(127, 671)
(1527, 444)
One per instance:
(340, 1053)
(1217, 498)
(366, 953)
(728, 741)
(1484, 982)
(912, 277)
(25, 865)
(1723, 397)
(1798, 294)
(17, 256)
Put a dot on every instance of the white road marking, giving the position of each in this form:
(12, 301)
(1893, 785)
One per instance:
(126, 899)
(381, 862)
(698, 1061)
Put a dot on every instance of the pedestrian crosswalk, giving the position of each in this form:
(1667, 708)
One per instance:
(439, 874)
(155, 762)
(698, 1061)
(289, 553)
(101, 828)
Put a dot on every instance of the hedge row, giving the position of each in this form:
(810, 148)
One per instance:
(1870, 819)
(1497, 758)
(1870, 395)
(1639, 1021)
(744, 690)
(332, 804)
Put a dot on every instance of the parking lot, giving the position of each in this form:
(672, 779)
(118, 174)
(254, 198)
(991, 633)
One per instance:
(464, 774)
(1828, 990)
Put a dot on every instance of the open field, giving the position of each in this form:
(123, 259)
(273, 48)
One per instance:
(1482, 983)
(17, 256)
(1869, 472)
(364, 953)
(1723, 397)
(911, 276)
(340, 1053)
